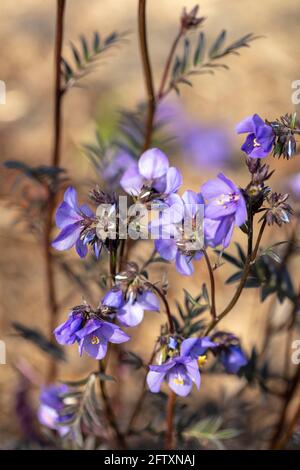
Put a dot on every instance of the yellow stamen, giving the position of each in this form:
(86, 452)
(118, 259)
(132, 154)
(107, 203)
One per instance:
(202, 360)
(95, 340)
(255, 143)
(178, 380)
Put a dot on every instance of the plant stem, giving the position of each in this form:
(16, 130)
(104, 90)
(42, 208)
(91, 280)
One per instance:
(170, 420)
(112, 264)
(50, 281)
(167, 307)
(290, 430)
(168, 64)
(147, 73)
(248, 263)
(212, 286)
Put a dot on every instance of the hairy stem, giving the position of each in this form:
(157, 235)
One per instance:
(170, 420)
(50, 282)
(212, 286)
(142, 28)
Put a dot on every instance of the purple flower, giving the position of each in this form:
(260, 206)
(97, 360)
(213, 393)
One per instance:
(224, 204)
(132, 312)
(66, 332)
(180, 373)
(195, 347)
(90, 329)
(74, 220)
(115, 169)
(233, 358)
(181, 237)
(151, 178)
(51, 405)
(260, 139)
(95, 336)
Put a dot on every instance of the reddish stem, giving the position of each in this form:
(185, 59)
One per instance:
(49, 262)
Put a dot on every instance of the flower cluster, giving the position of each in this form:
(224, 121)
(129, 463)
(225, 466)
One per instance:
(92, 330)
(184, 359)
(222, 207)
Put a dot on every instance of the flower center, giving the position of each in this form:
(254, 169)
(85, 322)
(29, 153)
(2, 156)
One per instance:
(201, 360)
(178, 380)
(255, 143)
(95, 340)
(225, 199)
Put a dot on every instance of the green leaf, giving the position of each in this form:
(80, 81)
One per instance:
(215, 48)
(200, 49)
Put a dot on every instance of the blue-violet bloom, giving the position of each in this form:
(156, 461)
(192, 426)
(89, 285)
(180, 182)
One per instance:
(224, 204)
(180, 372)
(95, 336)
(233, 358)
(151, 178)
(51, 405)
(260, 139)
(75, 223)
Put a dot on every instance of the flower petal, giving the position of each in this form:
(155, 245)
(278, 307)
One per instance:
(118, 336)
(66, 215)
(153, 164)
(131, 314)
(193, 372)
(184, 264)
(173, 180)
(149, 301)
(179, 381)
(67, 237)
(166, 248)
(95, 350)
(70, 197)
(132, 181)
(246, 125)
(81, 248)
(155, 380)
(113, 298)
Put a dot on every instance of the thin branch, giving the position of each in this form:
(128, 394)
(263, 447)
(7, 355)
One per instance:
(170, 420)
(49, 262)
(247, 267)
(166, 304)
(166, 71)
(147, 73)
(212, 286)
(277, 441)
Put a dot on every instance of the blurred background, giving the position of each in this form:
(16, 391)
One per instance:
(259, 81)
